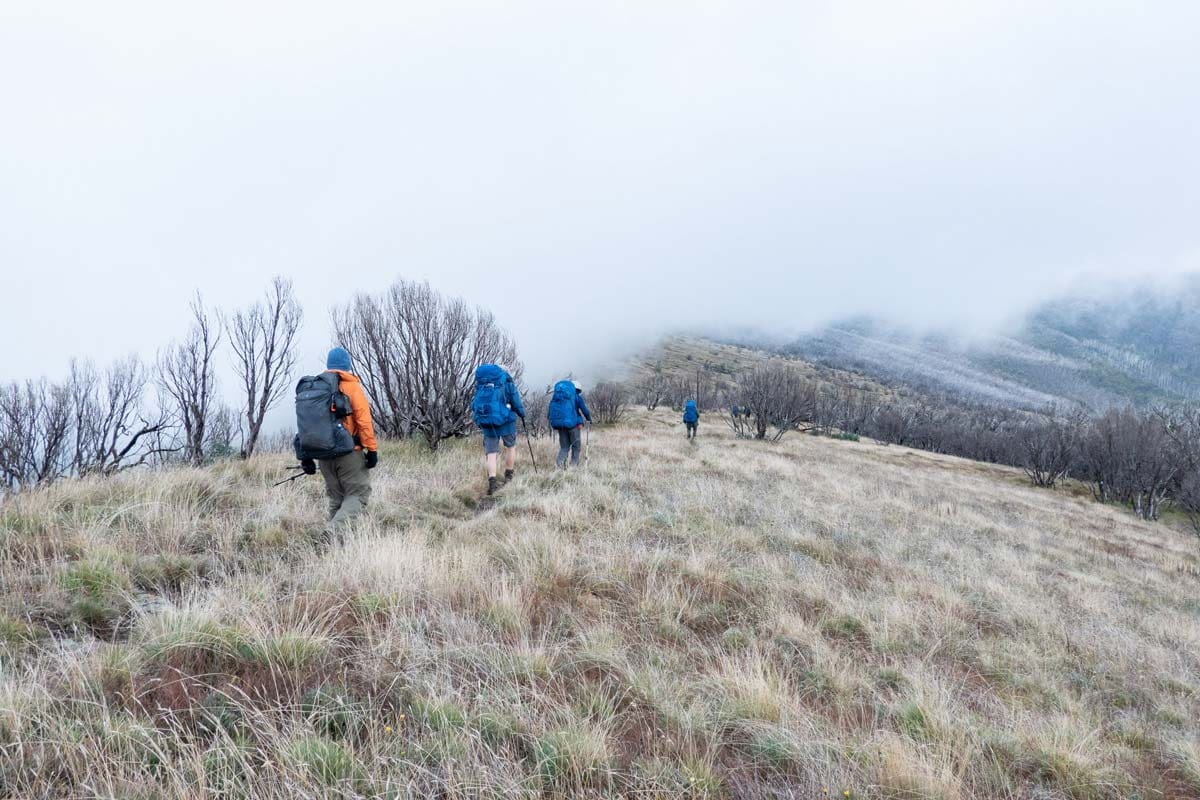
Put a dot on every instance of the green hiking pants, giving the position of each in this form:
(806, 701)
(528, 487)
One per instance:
(348, 484)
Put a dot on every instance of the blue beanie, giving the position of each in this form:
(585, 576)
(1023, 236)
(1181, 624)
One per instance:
(338, 359)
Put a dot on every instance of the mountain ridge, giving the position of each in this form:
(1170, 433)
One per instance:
(1098, 351)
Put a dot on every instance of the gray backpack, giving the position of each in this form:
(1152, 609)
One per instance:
(320, 409)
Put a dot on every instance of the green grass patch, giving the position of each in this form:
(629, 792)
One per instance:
(327, 763)
(846, 628)
(573, 757)
(169, 571)
(773, 748)
(334, 711)
(289, 650)
(192, 637)
(912, 720)
(890, 680)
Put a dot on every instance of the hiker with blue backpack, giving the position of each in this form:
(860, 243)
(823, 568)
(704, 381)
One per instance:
(691, 418)
(567, 412)
(495, 409)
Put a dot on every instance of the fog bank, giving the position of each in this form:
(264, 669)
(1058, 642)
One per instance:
(595, 176)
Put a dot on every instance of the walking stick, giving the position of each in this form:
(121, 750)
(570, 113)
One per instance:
(529, 442)
(587, 444)
(289, 480)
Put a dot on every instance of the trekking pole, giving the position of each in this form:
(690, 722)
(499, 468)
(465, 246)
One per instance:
(587, 444)
(289, 480)
(529, 442)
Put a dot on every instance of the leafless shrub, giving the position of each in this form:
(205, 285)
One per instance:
(1045, 448)
(224, 434)
(1152, 464)
(279, 441)
(652, 388)
(779, 400)
(740, 418)
(1133, 457)
(416, 353)
(607, 402)
(263, 339)
(187, 377)
(537, 407)
(1099, 456)
(1184, 429)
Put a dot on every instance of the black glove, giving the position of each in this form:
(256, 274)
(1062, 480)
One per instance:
(372, 459)
(309, 466)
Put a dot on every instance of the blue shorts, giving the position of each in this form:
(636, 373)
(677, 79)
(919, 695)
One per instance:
(491, 444)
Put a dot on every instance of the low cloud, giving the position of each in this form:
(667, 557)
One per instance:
(597, 176)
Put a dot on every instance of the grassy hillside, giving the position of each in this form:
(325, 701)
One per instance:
(729, 619)
(1135, 346)
(722, 363)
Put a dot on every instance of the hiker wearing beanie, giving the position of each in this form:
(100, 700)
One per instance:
(495, 409)
(336, 435)
(567, 411)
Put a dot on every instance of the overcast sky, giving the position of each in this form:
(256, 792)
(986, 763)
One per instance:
(594, 173)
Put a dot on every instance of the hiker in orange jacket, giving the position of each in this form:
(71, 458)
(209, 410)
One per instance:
(347, 480)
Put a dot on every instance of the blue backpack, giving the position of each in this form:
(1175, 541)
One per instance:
(489, 408)
(690, 414)
(563, 414)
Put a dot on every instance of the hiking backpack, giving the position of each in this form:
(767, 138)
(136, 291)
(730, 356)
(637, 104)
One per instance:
(563, 413)
(320, 409)
(690, 414)
(488, 408)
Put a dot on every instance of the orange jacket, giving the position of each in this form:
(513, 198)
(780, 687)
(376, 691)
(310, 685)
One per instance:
(358, 424)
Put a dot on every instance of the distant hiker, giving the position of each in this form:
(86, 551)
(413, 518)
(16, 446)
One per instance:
(566, 407)
(496, 406)
(333, 424)
(691, 418)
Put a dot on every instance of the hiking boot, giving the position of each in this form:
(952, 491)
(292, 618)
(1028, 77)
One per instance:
(493, 484)
(508, 475)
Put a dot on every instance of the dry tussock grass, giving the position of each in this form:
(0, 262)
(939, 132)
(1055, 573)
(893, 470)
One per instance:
(725, 619)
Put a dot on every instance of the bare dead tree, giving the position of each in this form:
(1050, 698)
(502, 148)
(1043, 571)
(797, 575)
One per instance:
(416, 353)
(364, 329)
(113, 428)
(187, 377)
(652, 387)
(263, 339)
(607, 401)
(35, 433)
